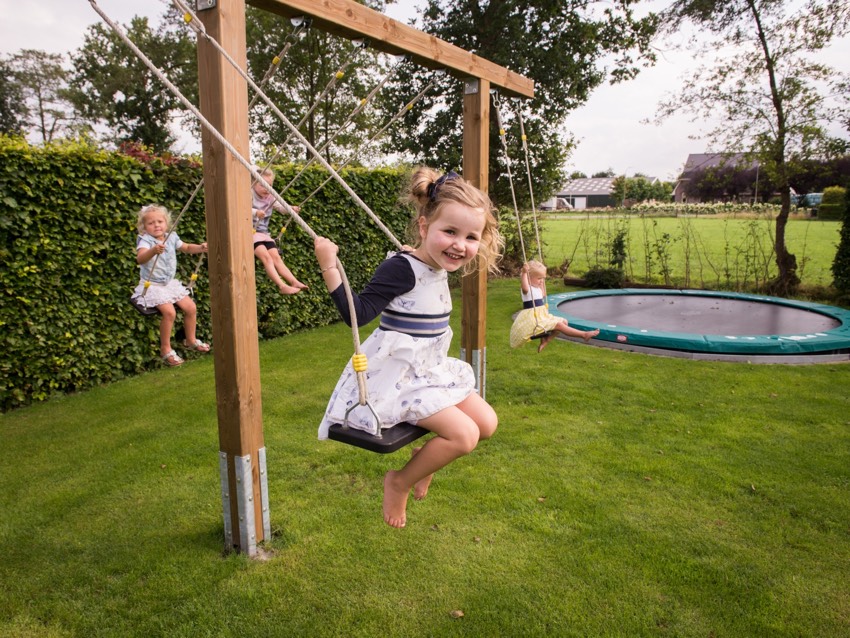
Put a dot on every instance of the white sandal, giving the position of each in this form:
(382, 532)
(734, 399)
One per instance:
(172, 359)
(198, 346)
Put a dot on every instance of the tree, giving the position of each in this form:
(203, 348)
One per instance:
(41, 80)
(606, 173)
(560, 44)
(302, 75)
(769, 96)
(12, 108)
(110, 86)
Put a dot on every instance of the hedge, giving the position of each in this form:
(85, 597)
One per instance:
(841, 263)
(67, 259)
(832, 204)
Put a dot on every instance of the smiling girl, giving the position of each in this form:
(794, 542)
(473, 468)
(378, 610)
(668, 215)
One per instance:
(411, 376)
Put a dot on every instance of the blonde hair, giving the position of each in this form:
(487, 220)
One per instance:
(536, 269)
(151, 208)
(428, 192)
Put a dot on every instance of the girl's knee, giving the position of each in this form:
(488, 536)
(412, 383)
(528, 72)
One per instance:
(188, 307)
(467, 440)
(487, 425)
(168, 312)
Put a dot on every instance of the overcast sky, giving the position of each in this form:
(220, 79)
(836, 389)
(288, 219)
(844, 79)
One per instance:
(608, 127)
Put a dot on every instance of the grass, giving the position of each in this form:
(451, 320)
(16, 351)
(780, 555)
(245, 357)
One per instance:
(715, 252)
(623, 495)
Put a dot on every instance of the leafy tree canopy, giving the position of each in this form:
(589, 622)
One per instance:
(40, 79)
(110, 86)
(568, 47)
(12, 108)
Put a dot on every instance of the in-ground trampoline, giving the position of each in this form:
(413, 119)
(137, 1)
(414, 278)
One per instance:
(699, 324)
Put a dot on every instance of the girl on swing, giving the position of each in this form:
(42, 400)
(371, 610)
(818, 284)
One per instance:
(163, 290)
(411, 378)
(534, 319)
(263, 204)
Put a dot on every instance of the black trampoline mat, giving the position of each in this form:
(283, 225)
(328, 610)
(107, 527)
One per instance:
(708, 315)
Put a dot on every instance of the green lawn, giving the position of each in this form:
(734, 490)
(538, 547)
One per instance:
(699, 251)
(623, 495)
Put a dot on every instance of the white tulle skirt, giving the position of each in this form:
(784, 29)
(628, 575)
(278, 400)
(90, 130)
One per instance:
(158, 294)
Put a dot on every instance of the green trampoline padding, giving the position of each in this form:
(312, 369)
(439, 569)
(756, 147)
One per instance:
(707, 322)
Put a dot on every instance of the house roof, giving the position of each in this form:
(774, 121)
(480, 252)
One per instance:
(701, 161)
(588, 186)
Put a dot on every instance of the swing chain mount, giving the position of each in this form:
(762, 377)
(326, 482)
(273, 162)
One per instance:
(203, 5)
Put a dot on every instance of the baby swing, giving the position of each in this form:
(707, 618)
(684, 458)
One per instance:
(538, 332)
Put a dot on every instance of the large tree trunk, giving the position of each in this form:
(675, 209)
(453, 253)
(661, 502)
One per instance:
(786, 281)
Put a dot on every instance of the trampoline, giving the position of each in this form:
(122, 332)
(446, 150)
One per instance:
(701, 324)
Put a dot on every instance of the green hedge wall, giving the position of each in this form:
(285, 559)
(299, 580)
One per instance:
(67, 259)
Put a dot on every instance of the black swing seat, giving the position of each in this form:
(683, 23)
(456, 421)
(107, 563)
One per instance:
(541, 335)
(391, 439)
(145, 310)
(142, 308)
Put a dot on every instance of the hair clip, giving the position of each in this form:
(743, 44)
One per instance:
(435, 186)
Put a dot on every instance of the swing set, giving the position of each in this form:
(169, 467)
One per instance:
(220, 31)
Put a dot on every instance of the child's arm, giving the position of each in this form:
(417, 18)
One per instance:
(523, 279)
(326, 252)
(193, 249)
(145, 254)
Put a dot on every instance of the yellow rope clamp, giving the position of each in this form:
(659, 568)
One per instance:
(360, 362)
(276, 60)
(340, 75)
(187, 17)
(147, 285)
(194, 276)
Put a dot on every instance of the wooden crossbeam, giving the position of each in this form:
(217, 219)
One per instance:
(351, 20)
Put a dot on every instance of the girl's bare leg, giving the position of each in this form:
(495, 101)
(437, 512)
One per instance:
(190, 318)
(265, 258)
(564, 328)
(458, 430)
(166, 323)
(420, 489)
(285, 272)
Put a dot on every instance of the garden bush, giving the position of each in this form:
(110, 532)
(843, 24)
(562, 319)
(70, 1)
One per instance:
(841, 264)
(67, 259)
(832, 204)
(600, 277)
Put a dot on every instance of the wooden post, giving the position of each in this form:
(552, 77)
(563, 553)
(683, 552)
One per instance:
(224, 102)
(476, 152)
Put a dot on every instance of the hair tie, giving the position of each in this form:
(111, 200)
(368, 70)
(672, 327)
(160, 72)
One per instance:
(434, 187)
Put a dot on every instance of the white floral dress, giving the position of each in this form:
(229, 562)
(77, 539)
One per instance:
(410, 375)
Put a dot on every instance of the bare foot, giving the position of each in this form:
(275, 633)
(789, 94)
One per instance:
(299, 285)
(395, 502)
(589, 334)
(289, 290)
(545, 342)
(420, 489)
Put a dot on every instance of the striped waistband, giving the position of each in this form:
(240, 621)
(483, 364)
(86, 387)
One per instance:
(532, 304)
(415, 325)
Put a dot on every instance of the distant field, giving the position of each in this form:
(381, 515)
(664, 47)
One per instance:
(695, 251)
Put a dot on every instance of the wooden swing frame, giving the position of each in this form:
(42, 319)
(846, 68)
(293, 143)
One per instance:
(224, 103)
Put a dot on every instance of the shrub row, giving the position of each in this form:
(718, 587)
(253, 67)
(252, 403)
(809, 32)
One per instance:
(67, 259)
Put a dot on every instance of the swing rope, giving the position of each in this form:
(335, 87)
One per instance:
(200, 31)
(358, 360)
(354, 113)
(336, 77)
(407, 107)
(538, 330)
